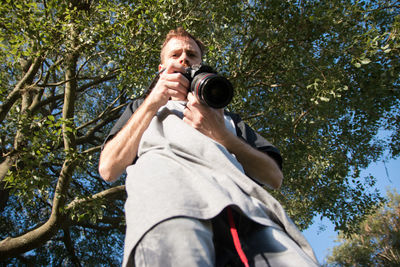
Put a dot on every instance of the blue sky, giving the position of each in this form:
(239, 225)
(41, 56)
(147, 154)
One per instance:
(387, 175)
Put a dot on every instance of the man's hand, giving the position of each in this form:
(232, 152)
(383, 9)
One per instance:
(171, 85)
(211, 122)
(207, 120)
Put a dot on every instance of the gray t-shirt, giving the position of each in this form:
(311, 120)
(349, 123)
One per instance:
(243, 131)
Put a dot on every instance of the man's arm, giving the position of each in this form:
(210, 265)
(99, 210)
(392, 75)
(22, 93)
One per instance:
(210, 122)
(257, 164)
(120, 151)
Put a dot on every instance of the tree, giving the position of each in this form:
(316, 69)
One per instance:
(377, 242)
(316, 79)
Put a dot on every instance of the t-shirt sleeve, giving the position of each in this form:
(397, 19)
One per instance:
(129, 110)
(245, 132)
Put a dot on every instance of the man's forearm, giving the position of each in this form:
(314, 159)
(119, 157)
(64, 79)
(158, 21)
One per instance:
(120, 151)
(211, 122)
(257, 164)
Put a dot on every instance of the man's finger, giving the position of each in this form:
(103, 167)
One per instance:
(193, 101)
(173, 68)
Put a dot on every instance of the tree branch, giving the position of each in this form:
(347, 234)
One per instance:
(10, 247)
(70, 247)
(6, 105)
(112, 224)
(98, 80)
(112, 193)
(108, 110)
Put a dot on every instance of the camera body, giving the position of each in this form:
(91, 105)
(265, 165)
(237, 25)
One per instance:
(209, 87)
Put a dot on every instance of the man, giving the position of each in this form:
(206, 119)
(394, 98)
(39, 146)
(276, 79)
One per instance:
(193, 173)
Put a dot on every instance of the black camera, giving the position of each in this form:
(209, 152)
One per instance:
(210, 88)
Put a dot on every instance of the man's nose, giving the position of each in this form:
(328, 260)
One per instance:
(183, 60)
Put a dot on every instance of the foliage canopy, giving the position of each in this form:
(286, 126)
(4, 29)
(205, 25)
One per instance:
(318, 79)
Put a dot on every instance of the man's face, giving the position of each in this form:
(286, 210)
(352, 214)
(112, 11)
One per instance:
(180, 50)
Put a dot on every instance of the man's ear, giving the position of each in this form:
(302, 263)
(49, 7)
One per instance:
(160, 67)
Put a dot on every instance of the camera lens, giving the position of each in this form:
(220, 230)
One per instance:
(216, 91)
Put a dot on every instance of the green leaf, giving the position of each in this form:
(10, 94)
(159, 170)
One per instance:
(365, 61)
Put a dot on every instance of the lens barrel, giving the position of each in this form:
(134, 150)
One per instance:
(210, 88)
(214, 90)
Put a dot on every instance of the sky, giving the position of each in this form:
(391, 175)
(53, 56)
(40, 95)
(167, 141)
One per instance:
(387, 175)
